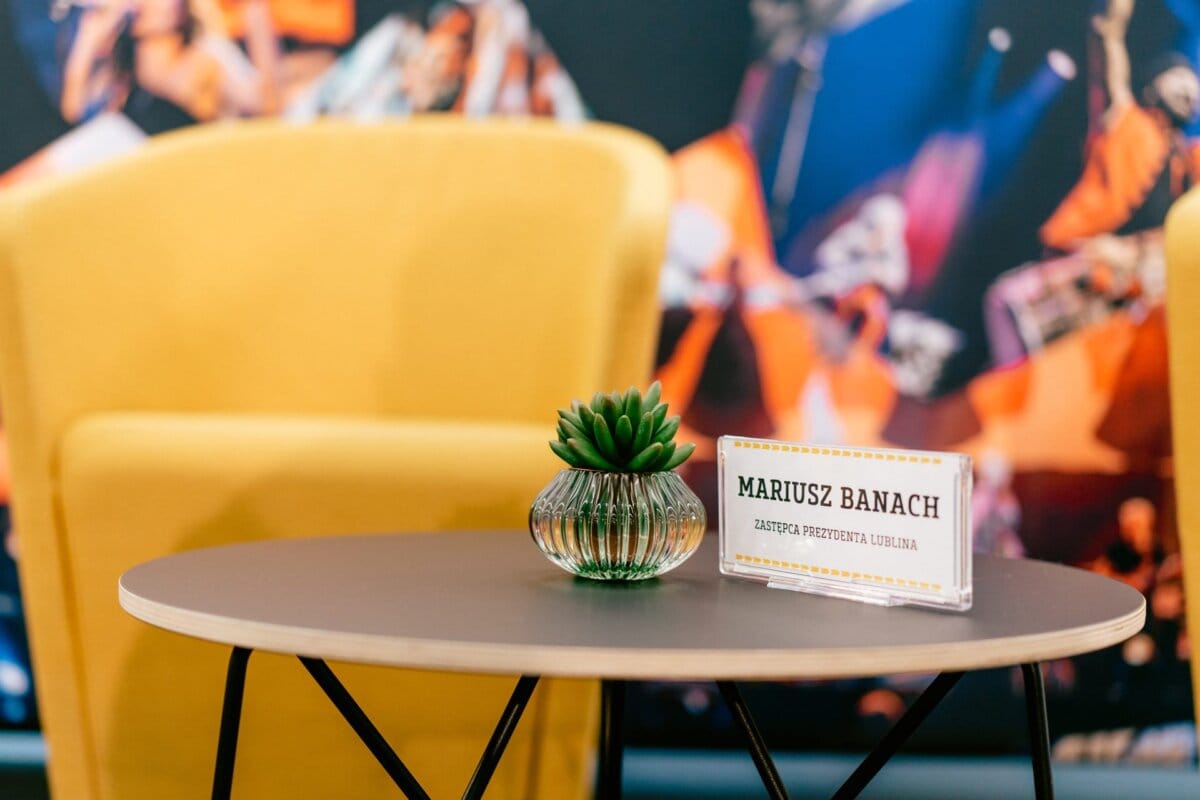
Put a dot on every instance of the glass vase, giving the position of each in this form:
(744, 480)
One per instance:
(625, 526)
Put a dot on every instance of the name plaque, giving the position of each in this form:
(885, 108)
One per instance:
(888, 527)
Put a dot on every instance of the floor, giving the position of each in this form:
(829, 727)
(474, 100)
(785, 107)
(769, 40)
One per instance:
(728, 775)
(725, 775)
(22, 766)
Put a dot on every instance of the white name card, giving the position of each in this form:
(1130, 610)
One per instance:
(879, 526)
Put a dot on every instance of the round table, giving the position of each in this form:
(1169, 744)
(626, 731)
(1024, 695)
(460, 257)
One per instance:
(490, 602)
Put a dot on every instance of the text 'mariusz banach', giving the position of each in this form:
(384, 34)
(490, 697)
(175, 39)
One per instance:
(849, 498)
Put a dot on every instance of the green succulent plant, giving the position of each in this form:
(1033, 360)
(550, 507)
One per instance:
(620, 433)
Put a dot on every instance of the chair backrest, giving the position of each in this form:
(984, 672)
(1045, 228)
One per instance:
(432, 269)
(1183, 344)
(404, 264)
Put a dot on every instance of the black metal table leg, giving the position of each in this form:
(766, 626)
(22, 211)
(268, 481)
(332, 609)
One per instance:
(612, 721)
(1039, 731)
(231, 718)
(755, 744)
(898, 735)
(365, 729)
(500, 736)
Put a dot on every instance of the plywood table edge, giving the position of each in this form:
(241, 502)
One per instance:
(635, 663)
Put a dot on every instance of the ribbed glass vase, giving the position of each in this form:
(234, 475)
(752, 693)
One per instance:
(625, 526)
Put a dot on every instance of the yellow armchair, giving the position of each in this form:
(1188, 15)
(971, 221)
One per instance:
(1183, 344)
(264, 331)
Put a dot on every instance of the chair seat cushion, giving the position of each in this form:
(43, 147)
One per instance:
(137, 486)
(238, 477)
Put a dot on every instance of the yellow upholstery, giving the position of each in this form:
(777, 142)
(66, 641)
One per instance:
(1183, 342)
(263, 331)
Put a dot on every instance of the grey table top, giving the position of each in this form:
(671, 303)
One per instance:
(490, 602)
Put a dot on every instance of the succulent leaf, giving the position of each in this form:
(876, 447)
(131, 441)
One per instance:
(645, 458)
(620, 432)
(584, 449)
(668, 451)
(566, 454)
(573, 431)
(609, 410)
(681, 455)
(659, 414)
(668, 430)
(633, 403)
(653, 395)
(624, 433)
(642, 437)
(586, 415)
(570, 417)
(604, 440)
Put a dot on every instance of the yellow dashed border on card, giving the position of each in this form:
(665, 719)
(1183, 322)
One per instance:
(787, 447)
(822, 572)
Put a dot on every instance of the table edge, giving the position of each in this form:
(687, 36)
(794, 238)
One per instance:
(635, 663)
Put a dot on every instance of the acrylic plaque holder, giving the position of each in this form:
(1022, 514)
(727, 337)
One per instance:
(888, 527)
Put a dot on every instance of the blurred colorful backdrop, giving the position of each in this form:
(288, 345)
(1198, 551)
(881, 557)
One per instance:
(907, 223)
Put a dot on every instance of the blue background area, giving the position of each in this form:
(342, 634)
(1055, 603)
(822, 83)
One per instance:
(885, 85)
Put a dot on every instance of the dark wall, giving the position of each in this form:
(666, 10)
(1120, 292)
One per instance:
(27, 119)
(670, 68)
